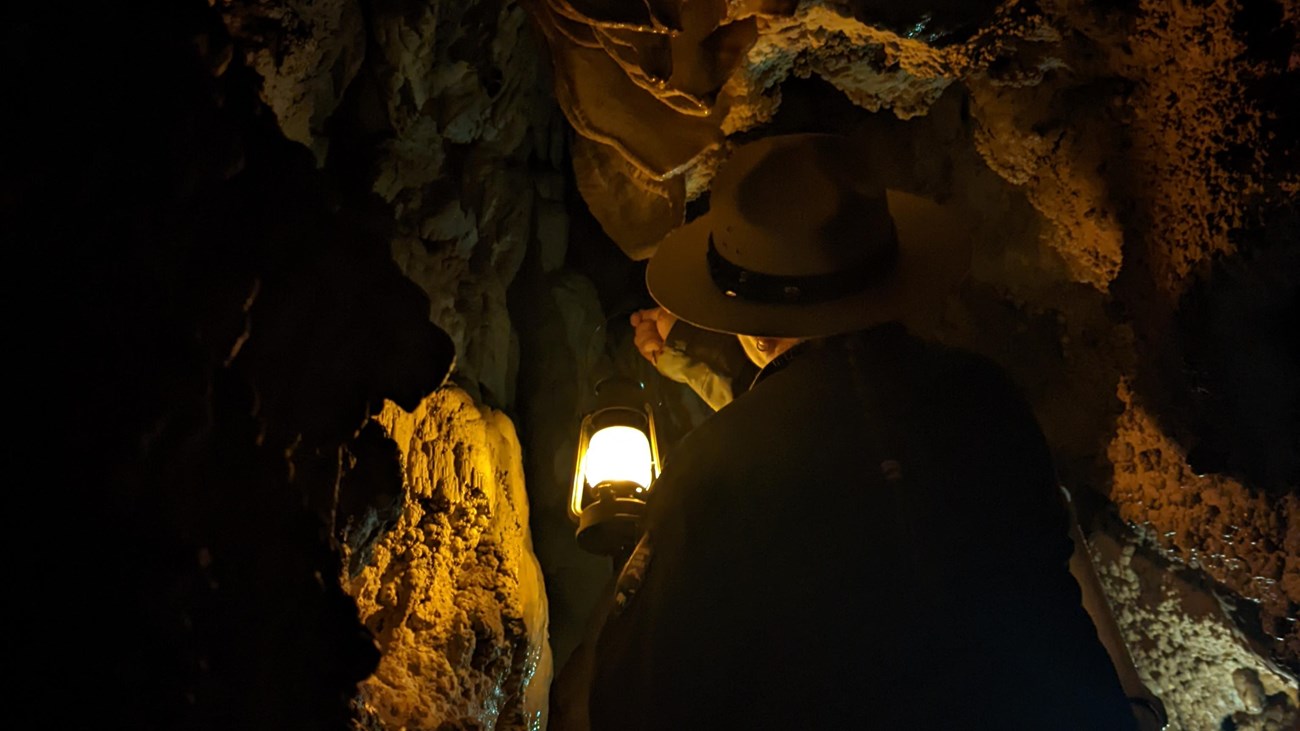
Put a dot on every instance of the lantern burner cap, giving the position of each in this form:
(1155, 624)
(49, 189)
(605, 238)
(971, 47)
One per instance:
(611, 526)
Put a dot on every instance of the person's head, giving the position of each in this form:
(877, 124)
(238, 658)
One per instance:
(804, 240)
(763, 350)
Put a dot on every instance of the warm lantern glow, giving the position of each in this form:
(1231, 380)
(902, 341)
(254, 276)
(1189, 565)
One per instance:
(618, 453)
(615, 465)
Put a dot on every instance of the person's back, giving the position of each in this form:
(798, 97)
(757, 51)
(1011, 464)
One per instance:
(871, 537)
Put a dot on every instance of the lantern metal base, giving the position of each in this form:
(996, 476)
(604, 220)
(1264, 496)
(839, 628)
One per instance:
(611, 526)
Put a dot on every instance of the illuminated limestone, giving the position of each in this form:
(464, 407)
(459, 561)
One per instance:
(453, 592)
(1186, 649)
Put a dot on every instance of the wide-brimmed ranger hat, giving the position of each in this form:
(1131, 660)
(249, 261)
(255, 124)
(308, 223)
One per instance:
(802, 239)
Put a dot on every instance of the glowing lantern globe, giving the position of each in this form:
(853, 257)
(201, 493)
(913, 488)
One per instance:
(617, 463)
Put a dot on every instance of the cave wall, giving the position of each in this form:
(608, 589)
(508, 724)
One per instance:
(219, 322)
(441, 112)
(274, 241)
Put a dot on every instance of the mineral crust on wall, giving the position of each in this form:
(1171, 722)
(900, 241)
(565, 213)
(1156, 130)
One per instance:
(441, 110)
(306, 53)
(452, 591)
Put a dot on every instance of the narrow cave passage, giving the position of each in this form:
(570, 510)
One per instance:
(327, 288)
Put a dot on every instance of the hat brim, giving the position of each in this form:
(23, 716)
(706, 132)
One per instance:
(933, 258)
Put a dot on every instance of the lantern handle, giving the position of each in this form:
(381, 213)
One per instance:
(626, 312)
(590, 363)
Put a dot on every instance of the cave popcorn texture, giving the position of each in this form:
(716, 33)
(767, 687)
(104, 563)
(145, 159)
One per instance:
(453, 593)
(1186, 651)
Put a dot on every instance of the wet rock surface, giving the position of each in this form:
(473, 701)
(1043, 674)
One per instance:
(1186, 643)
(1240, 538)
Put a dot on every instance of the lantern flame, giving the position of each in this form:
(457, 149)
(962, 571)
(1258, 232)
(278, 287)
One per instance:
(619, 453)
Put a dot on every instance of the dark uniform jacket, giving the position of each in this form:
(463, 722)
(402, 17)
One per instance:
(871, 537)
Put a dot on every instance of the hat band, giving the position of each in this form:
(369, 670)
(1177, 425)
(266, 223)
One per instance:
(737, 281)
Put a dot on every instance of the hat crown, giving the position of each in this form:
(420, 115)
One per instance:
(801, 205)
(802, 240)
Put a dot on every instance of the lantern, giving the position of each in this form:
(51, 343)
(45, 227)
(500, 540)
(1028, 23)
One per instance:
(616, 466)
